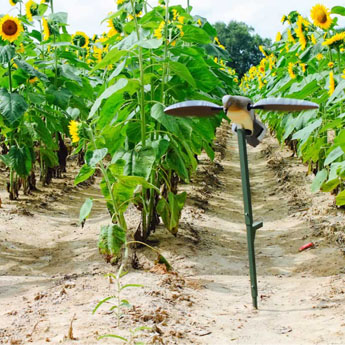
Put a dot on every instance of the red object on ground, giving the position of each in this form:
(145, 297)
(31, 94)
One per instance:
(306, 246)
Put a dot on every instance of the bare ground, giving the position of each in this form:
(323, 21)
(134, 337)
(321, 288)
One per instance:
(52, 276)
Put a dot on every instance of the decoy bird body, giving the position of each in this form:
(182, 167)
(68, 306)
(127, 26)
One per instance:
(238, 110)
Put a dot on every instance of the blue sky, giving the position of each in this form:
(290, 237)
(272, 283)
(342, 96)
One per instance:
(263, 15)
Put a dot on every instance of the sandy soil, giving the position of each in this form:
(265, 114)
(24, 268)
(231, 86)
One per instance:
(52, 276)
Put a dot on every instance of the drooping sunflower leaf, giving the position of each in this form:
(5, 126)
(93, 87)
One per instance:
(30, 70)
(85, 172)
(85, 210)
(6, 53)
(12, 106)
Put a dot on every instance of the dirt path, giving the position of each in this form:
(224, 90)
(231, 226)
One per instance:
(51, 272)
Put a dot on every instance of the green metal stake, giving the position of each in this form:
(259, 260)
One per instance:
(248, 214)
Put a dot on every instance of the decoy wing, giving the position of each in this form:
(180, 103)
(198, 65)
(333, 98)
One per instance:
(193, 108)
(284, 104)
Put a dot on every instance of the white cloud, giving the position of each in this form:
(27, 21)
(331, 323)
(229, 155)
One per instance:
(263, 15)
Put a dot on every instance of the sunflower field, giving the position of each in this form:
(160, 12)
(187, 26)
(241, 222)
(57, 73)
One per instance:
(307, 61)
(101, 99)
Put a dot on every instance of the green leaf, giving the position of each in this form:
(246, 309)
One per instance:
(84, 173)
(58, 17)
(119, 68)
(183, 72)
(303, 90)
(304, 133)
(85, 210)
(111, 58)
(30, 70)
(338, 10)
(12, 106)
(335, 154)
(120, 84)
(330, 185)
(130, 285)
(20, 159)
(150, 43)
(139, 161)
(124, 187)
(92, 158)
(170, 210)
(59, 97)
(102, 302)
(43, 133)
(7, 53)
(169, 122)
(340, 198)
(111, 240)
(195, 35)
(319, 179)
(69, 72)
(112, 336)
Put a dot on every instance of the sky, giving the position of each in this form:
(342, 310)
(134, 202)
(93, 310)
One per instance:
(263, 15)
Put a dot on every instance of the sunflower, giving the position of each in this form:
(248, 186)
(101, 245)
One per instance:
(158, 33)
(45, 1)
(331, 83)
(13, 2)
(319, 56)
(46, 29)
(73, 131)
(291, 70)
(303, 66)
(290, 37)
(278, 36)
(337, 39)
(321, 16)
(313, 39)
(115, 25)
(33, 80)
(10, 28)
(80, 39)
(299, 32)
(31, 9)
(120, 2)
(261, 48)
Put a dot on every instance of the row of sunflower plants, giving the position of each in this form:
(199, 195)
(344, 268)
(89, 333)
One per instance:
(44, 85)
(107, 94)
(155, 57)
(307, 61)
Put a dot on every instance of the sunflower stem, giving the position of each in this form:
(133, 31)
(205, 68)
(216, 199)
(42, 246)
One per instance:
(11, 137)
(339, 61)
(142, 90)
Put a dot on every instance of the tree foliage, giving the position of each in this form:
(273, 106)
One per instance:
(242, 43)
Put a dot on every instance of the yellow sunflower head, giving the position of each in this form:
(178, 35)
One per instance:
(14, 2)
(278, 36)
(80, 39)
(10, 28)
(321, 16)
(331, 83)
(291, 70)
(73, 131)
(335, 40)
(45, 1)
(31, 9)
(46, 29)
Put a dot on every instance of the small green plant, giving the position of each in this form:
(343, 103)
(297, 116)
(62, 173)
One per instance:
(133, 334)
